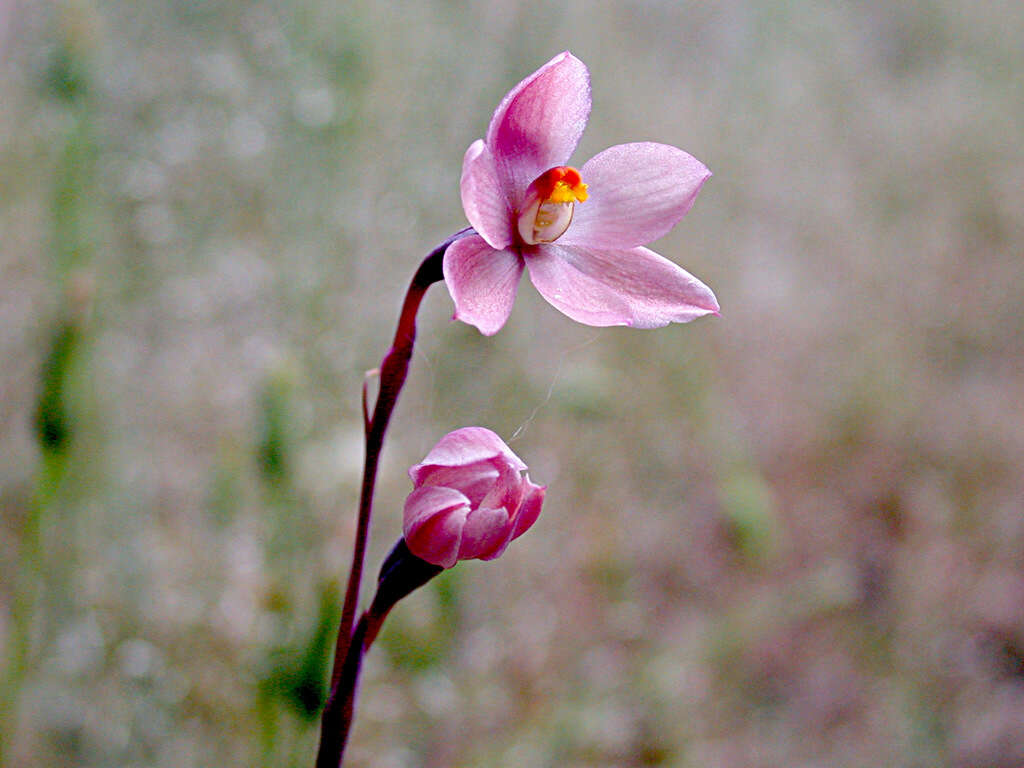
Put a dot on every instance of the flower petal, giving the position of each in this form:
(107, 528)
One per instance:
(433, 522)
(483, 197)
(507, 490)
(466, 446)
(486, 533)
(475, 480)
(530, 508)
(637, 193)
(482, 282)
(539, 123)
(606, 286)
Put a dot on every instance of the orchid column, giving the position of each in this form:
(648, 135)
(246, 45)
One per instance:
(580, 234)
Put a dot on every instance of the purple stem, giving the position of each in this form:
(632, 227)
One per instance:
(337, 718)
(339, 709)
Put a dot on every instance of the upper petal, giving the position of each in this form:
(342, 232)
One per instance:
(539, 123)
(482, 282)
(637, 193)
(467, 446)
(629, 286)
(483, 197)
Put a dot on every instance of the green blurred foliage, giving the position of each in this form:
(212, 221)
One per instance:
(66, 74)
(53, 420)
(299, 676)
(273, 444)
(747, 507)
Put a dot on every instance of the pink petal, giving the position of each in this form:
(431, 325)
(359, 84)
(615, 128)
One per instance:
(482, 282)
(508, 488)
(486, 534)
(467, 446)
(475, 480)
(539, 123)
(631, 286)
(432, 524)
(637, 193)
(530, 509)
(483, 198)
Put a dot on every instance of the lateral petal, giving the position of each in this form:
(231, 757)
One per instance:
(507, 490)
(433, 521)
(529, 511)
(483, 197)
(486, 533)
(475, 480)
(482, 282)
(607, 286)
(637, 193)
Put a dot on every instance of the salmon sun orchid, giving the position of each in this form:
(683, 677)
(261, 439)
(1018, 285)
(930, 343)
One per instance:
(471, 497)
(580, 233)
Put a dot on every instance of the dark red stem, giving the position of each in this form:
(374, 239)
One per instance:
(338, 711)
(337, 718)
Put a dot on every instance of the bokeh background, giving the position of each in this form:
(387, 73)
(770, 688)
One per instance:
(790, 536)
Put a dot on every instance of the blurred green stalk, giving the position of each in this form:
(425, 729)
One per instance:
(72, 208)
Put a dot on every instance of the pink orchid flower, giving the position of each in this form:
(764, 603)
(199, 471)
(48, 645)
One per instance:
(579, 233)
(471, 499)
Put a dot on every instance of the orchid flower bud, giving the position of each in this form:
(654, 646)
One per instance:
(472, 496)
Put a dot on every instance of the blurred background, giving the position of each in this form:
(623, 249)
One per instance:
(789, 536)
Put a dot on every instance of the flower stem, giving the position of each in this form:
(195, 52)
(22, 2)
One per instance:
(338, 711)
(401, 574)
(337, 718)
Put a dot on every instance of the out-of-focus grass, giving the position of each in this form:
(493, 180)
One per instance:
(788, 536)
